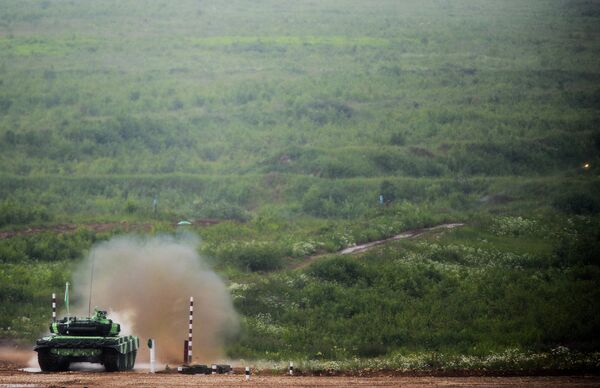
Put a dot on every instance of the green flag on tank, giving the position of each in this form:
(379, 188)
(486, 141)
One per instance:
(67, 297)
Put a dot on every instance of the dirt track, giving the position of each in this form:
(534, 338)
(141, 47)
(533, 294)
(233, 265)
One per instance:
(97, 227)
(140, 379)
(408, 234)
(366, 246)
(12, 376)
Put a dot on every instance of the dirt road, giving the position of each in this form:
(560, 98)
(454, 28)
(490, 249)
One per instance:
(140, 379)
(71, 228)
(403, 235)
(88, 375)
(365, 247)
(96, 226)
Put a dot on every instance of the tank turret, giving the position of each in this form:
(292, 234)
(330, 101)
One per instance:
(97, 325)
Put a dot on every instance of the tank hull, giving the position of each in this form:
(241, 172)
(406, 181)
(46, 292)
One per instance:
(57, 352)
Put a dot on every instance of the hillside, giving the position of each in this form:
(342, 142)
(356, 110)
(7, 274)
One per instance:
(284, 122)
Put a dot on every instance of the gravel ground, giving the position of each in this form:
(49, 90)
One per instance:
(16, 379)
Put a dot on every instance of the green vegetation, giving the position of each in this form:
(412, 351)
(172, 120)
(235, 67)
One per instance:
(460, 292)
(285, 122)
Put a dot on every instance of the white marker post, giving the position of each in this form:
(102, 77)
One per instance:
(214, 369)
(291, 368)
(190, 330)
(53, 307)
(151, 345)
(247, 373)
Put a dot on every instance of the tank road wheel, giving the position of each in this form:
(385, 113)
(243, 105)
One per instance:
(132, 356)
(123, 361)
(115, 361)
(111, 360)
(51, 362)
(127, 361)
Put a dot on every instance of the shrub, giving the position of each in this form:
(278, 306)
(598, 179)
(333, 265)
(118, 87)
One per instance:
(252, 256)
(344, 270)
(577, 203)
(579, 243)
(515, 226)
(13, 213)
(388, 190)
(225, 211)
(397, 139)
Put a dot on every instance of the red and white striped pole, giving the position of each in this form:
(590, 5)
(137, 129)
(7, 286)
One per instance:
(53, 307)
(190, 330)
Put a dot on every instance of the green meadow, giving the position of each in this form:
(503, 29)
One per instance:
(284, 122)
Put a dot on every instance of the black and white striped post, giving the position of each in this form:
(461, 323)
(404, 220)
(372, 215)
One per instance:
(291, 368)
(53, 307)
(190, 330)
(185, 351)
(214, 369)
(247, 373)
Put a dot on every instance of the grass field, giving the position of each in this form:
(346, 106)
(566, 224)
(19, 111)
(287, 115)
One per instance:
(286, 121)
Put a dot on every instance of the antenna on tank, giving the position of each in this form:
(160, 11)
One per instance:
(67, 298)
(91, 284)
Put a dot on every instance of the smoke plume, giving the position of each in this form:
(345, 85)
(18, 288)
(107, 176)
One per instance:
(145, 284)
(11, 356)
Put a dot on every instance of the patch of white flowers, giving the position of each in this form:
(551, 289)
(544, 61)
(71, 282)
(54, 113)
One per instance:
(559, 358)
(237, 290)
(344, 240)
(304, 248)
(476, 256)
(263, 323)
(516, 226)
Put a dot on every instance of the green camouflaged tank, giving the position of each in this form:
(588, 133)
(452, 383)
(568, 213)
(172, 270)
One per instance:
(94, 339)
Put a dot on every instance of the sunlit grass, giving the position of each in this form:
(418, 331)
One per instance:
(340, 41)
(42, 46)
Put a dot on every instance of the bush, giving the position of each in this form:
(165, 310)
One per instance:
(388, 191)
(577, 203)
(48, 246)
(397, 139)
(225, 211)
(12, 213)
(579, 243)
(252, 256)
(516, 226)
(343, 270)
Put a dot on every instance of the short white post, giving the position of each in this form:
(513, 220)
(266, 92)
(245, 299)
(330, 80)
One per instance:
(291, 368)
(214, 369)
(247, 373)
(152, 346)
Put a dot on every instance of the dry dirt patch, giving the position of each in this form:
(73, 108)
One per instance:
(140, 379)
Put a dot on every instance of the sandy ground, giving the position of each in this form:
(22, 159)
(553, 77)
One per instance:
(17, 378)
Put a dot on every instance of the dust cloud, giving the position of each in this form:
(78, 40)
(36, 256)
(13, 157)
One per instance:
(145, 284)
(17, 356)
